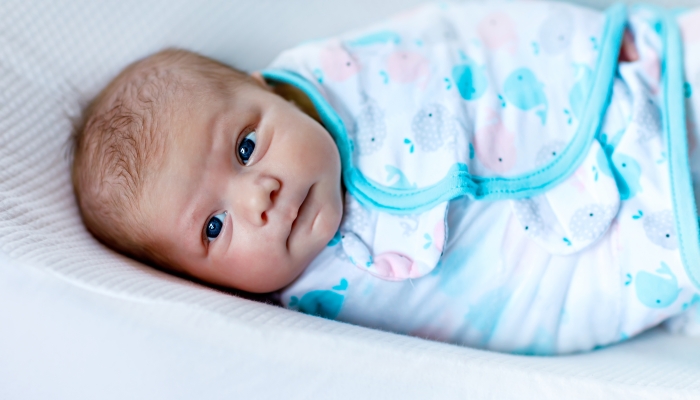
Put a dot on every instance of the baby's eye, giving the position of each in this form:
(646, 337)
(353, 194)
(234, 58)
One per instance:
(214, 226)
(246, 148)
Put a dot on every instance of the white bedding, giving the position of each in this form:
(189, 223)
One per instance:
(78, 321)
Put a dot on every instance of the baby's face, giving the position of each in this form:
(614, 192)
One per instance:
(249, 192)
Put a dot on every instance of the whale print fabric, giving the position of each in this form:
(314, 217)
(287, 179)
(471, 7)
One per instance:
(481, 66)
(500, 90)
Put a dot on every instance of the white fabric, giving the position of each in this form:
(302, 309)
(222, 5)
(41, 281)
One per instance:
(588, 263)
(78, 321)
(452, 87)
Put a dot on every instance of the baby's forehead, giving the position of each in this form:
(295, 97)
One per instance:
(169, 91)
(157, 80)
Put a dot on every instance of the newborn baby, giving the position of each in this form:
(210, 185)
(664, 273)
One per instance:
(191, 165)
(490, 175)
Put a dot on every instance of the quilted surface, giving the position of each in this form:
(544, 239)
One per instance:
(56, 55)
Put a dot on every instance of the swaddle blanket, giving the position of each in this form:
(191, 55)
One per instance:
(509, 185)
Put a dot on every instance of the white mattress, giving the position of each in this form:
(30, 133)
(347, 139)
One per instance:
(79, 321)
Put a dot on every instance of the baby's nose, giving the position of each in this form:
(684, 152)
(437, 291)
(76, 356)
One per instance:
(258, 201)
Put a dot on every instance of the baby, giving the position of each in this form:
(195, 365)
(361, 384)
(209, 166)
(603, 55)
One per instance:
(335, 176)
(196, 167)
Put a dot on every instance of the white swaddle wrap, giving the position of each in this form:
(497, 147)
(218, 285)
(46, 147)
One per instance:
(509, 186)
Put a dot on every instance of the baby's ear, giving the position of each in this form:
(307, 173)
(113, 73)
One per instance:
(258, 78)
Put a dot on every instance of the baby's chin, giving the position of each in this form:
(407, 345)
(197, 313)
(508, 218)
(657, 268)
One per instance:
(324, 229)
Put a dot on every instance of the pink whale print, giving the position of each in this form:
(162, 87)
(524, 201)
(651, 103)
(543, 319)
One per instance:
(408, 66)
(497, 31)
(338, 64)
(393, 266)
(495, 145)
(690, 26)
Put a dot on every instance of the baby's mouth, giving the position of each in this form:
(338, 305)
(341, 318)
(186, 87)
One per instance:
(300, 211)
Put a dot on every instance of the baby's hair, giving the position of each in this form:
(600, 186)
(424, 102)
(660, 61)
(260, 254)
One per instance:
(123, 136)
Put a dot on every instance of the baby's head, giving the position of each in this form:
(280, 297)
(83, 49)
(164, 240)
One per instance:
(197, 168)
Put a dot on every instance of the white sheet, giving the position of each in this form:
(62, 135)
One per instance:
(78, 321)
(58, 342)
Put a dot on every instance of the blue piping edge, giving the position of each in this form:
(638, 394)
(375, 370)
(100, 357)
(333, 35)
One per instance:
(679, 166)
(458, 181)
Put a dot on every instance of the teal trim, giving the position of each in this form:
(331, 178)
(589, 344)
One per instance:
(458, 182)
(683, 198)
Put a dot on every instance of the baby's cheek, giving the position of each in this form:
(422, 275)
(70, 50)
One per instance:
(326, 226)
(255, 263)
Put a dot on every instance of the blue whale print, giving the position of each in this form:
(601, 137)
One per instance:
(657, 291)
(483, 317)
(454, 279)
(625, 169)
(627, 172)
(470, 79)
(523, 90)
(577, 96)
(380, 37)
(322, 303)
